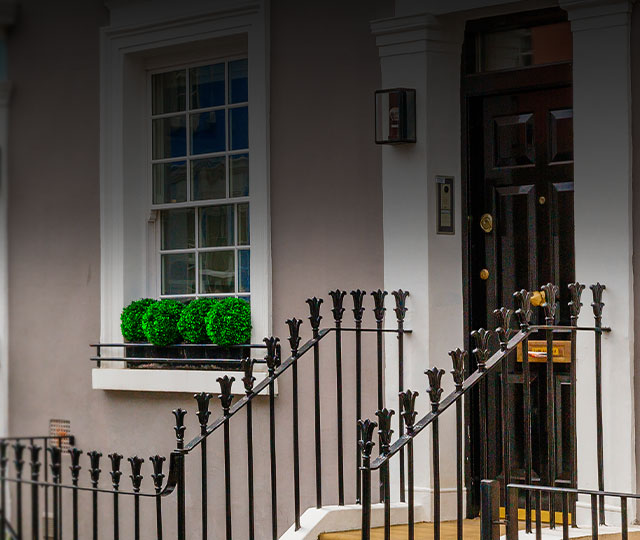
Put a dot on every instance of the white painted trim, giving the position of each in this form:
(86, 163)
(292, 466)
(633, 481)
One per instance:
(124, 250)
(316, 521)
(168, 380)
(5, 95)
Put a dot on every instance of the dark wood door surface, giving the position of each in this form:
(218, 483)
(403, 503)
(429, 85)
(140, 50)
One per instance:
(521, 175)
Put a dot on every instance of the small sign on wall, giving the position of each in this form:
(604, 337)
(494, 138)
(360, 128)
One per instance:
(446, 205)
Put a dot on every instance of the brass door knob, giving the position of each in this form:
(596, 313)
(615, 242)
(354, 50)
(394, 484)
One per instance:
(486, 223)
(484, 274)
(538, 298)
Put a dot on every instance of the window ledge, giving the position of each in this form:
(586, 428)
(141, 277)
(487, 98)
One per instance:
(169, 380)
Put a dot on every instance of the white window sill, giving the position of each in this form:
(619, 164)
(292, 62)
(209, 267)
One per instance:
(169, 380)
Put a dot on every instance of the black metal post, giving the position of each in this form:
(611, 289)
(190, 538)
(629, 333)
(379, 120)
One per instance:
(314, 318)
(512, 513)
(34, 451)
(482, 353)
(56, 456)
(157, 476)
(338, 310)
(294, 343)
(366, 444)
(179, 428)
(203, 414)
(273, 361)
(18, 449)
(248, 380)
(226, 397)
(3, 487)
(597, 306)
(435, 392)
(458, 359)
(378, 311)
(358, 311)
(400, 297)
(384, 433)
(75, 468)
(136, 481)
(408, 416)
(94, 472)
(490, 510)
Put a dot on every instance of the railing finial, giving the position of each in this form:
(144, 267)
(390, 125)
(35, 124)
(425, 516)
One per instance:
(179, 427)
(366, 444)
(524, 311)
(358, 308)
(94, 469)
(272, 357)
(34, 453)
(203, 414)
(294, 334)
(18, 452)
(481, 352)
(136, 468)
(378, 300)
(575, 304)
(458, 357)
(550, 305)
(247, 367)
(115, 472)
(435, 386)
(408, 412)
(597, 303)
(314, 312)
(226, 397)
(385, 431)
(504, 331)
(401, 304)
(337, 297)
(157, 476)
(56, 461)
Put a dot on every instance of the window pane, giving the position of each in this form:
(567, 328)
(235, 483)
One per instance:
(208, 132)
(170, 182)
(239, 128)
(169, 137)
(217, 272)
(216, 226)
(243, 224)
(169, 92)
(178, 273)
(208, 178)
(244, 260)
(239, 175)
(178, 229)
(238, 81)
(207, 86)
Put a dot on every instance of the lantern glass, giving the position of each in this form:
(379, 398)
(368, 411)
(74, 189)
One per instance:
(396, 116)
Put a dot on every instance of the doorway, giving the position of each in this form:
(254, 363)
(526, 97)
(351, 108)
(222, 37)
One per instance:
(518, 163)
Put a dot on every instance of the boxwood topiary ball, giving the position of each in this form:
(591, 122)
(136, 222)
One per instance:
(131, 319)
(229, 322)
(160, 322)
(192, 324)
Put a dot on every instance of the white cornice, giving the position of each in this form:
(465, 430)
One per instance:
(417, 33)
(594, 14)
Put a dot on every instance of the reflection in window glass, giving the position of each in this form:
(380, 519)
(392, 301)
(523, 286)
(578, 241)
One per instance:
(178, 229)
(169, 137)
(244, 260)
(217, 272)
(216, 226)
(243, 224)
(238, 81)
(207, 132)
(178, 273)
(207, 86)
(239, 175)
(169, 92)
(170, 182)
(239, 128)
(208, 178)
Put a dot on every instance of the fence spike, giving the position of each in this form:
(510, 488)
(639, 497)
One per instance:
(157, 476)
(247, 367)
(94, 470)
(550, 305)
(378, 300)
(294, 334)
(366, 444)
(136, 467)
(504, 330)
(524, 311)
(435, 386)
(400, 297)
(179, 427)
(597, 303)
(481, 352)
(203, 414)
(575, 304)
(408, 411)
(458, 357)
(115, 472)
(314, 312)
(337, 297)
(358, 308)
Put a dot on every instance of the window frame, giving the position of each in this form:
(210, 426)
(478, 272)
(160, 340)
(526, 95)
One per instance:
(128, 242)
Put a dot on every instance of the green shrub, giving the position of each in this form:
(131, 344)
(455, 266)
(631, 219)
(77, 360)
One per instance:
(229, 322)
(131, 319)
(160, 322)
(192, 324)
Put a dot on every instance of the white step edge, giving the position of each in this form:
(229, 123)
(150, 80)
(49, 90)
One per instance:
(574, 532)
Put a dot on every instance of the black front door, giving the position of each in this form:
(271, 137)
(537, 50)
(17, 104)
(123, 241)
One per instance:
(520, 233)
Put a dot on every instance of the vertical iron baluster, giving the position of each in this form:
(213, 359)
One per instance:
(338, 297)
(565, 516)
(248, 380)
(45, 489)
(75, 468)
(400, 297)
(624, 523)
(56, 458)
(366, 444)
(481, 352)
(594, 517)
(273, 361)
(294, 343)
(597, 306)
(60, 492)
(203, 414)
(512, 512)
(18, 449)
(226, 397)
(94, 472)
(358, 311)
(458, 359)
(504, 331)
(314, 318)
(384, 434)
(34, 451)
(136, 480)
(3, 487)
(179, 428)
(378, 312)
(524, 314)
(550, 305)
(575, 293)
(157, 476)
(435, 391)
(538, 496)
(408, 415)
(116, 474)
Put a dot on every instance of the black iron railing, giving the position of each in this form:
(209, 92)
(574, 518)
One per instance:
(490, 357)
(193, 454)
